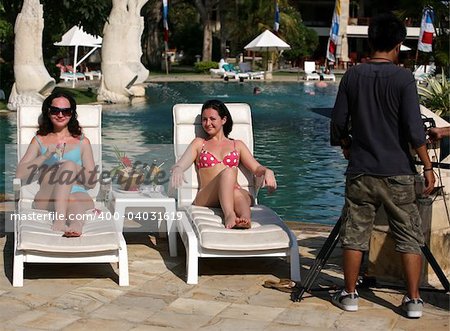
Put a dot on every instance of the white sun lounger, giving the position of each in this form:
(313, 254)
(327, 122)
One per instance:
(245, 67)
(201, 228)
(329, 76)
(310, 71)
(102, 240)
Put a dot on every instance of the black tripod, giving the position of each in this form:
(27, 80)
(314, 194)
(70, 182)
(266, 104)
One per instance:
(328, 248)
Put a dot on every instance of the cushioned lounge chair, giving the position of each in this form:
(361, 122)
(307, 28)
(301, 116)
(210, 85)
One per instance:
(201, 228)
(218, 72)
(245, 67)
(92, 74)
(310, 70)
(69, 76)
(34, 240)
(232, 72)
(329, 76)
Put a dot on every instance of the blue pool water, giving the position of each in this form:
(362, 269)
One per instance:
(289, 138)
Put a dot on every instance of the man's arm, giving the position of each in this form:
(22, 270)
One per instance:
(339, 132)
(428, 172)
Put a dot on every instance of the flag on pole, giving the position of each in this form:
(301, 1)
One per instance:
(334, 33)
(276, 24)
(166, 33)
(426, 31)
(165, 22)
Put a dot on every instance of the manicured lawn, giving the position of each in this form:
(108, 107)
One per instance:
(82, 96)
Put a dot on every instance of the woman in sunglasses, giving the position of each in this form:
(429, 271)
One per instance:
(65, 163)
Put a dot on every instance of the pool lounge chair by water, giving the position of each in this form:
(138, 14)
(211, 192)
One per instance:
(245, 67)
(70, 76)
(218, 72)
(232, 72)
(310, 70)
(102, 240)
(201, 228)
(92, 74)
(327, 76)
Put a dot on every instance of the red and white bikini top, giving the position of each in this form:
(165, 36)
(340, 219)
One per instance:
(208, 160)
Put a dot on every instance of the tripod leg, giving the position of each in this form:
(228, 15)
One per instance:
(436, 267)
(319, 262)
(324, 260)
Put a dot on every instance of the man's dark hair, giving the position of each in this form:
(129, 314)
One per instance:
(385, 32)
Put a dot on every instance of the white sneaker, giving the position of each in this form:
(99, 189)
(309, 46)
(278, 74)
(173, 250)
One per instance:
(346, 301)
(412, 307)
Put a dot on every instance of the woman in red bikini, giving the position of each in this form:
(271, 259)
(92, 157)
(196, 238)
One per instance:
(217, 158)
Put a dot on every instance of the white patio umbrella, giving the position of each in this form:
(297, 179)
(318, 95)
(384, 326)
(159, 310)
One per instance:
(404, 48)
(77, 37)
(267, 42)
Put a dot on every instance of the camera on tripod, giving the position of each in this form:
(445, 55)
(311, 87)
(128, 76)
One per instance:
(428, 123)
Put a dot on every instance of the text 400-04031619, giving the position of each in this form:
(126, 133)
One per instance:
(154, 216)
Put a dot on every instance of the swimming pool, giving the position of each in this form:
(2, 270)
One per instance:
(289, 138)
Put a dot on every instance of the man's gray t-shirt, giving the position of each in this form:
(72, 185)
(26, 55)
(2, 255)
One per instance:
(378, 103)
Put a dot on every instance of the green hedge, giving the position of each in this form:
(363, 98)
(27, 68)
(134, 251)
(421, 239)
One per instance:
(204, 66)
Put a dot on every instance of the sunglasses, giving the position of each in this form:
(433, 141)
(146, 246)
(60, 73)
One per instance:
(56, 110)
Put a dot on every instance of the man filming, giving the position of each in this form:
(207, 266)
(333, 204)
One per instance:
(376, 117)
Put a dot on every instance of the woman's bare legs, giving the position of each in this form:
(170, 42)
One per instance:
(64, 180)
(54, 193)
(78, 203)
(235, 202)
(45, 200)
(242, 202)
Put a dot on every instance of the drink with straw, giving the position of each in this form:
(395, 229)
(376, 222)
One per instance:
(60, 151)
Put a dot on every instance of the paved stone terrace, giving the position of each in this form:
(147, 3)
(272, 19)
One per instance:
(229, 296)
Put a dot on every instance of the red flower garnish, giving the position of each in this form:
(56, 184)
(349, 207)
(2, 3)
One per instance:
(126, 162)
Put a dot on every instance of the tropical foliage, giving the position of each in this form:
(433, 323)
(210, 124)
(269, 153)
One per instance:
(204, 66)
(185, 31)
(436, 95)
(303, 41)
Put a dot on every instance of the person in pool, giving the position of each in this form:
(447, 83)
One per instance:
(63, 156)
(217, 159)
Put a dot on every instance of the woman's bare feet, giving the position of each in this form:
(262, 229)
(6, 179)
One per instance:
(59, 225)
(233, 222)
(242, 223)
(75, 229)
(230, 221)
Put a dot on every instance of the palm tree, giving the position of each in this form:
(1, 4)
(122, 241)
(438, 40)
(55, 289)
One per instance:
(152, 40)
(206, 8)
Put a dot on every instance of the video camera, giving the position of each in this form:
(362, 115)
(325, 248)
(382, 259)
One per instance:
(428, 123)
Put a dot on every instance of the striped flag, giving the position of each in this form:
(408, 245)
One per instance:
(276, 24)
(165, 22)
(334, 33)
(426, 31)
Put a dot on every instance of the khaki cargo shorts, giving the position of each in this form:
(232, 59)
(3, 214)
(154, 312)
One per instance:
(364, 194)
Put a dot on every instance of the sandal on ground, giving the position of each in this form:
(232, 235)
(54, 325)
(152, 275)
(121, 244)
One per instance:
(283, 285)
